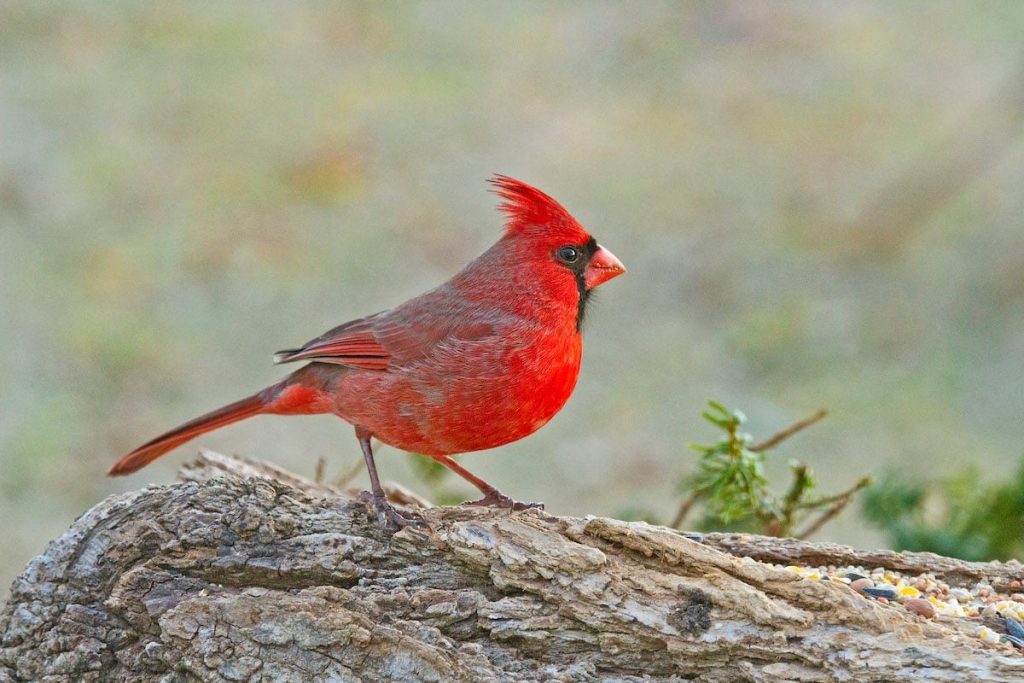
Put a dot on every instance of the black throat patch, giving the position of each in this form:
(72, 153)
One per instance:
(587, 252)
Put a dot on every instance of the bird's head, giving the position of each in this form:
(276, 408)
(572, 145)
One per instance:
(553, 239)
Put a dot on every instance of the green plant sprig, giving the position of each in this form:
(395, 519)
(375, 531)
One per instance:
(731, 484)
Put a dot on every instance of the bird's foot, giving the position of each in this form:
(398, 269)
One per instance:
(496, 499)
(388, 516)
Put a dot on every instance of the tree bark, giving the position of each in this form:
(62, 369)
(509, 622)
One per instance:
(243, 572)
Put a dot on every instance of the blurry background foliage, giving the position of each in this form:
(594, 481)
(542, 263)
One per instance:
(964, 514)
(819, 204)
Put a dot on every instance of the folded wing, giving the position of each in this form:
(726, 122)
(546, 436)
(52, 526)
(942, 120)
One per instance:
(352, 344)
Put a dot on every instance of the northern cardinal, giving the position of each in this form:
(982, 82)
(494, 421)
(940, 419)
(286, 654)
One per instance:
(483, 360)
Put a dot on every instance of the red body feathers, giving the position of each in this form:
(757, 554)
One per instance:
(485, 359)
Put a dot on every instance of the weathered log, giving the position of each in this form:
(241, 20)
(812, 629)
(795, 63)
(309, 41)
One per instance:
(243, 572)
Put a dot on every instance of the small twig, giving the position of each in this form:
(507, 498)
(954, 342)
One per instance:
(318, 473)
(828, 500)
(802, 481)
(776, 439)
(684, 509)
(841, 501)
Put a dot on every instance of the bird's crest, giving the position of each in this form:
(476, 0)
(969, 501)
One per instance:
(525, 206)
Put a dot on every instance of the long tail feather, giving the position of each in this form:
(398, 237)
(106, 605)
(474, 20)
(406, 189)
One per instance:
(148, 452)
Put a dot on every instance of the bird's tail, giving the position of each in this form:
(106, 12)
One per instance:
(151, 450)
(288, 397)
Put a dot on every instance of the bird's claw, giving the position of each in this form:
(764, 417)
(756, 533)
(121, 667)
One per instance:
(393, 520)
(500, 500)
(389, 518)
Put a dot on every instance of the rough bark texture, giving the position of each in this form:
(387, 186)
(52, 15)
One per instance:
(242, 572)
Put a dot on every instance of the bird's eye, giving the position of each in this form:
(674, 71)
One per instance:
(568, 254)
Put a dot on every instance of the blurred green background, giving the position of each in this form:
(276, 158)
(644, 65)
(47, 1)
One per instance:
(819, 203)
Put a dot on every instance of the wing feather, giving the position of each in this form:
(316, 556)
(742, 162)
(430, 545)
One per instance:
(352, 344)
(400, 336)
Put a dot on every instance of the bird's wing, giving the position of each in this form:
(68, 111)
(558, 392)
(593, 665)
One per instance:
(399, 336)
(352, 344)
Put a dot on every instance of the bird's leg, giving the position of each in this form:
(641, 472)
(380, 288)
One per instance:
(492, 496)
(388, 517)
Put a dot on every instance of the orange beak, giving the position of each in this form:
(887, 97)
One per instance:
(603, 267)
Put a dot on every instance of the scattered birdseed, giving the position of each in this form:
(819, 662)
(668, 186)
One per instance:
(921, 607)
(887, 592)
(1014, 628)
(960, 593)
(932, 598)
(1013, 640)
(988, 635)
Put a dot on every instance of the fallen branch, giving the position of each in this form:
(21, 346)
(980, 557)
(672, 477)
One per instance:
(242, 571)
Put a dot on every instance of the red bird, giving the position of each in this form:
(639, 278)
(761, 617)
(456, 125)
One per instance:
(483, 360)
